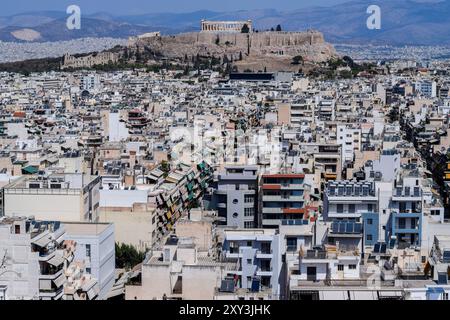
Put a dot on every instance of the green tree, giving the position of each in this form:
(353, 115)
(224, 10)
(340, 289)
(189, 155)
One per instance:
(297, 59)
(278, 28)
(127, 256)
(245, 28)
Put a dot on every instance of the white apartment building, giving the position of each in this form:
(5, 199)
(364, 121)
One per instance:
(177, 271)
(96, 248)
(350, 139)
(257, 252)
(32, 259)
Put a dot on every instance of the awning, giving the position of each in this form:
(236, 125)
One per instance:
(60, 280)
(363, 295)
(93, 292)
(389, 294)
(334, 295)
(42, 242)
(57, 260)
(437, 290)
(29, 170)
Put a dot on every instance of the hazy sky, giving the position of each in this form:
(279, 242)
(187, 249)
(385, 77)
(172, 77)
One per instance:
(148, 6)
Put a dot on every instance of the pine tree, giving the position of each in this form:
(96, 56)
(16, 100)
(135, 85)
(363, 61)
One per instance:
(245, 29)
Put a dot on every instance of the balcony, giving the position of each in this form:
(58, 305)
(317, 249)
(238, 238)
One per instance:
(283, 198)
(264, 254)
(262, 273)
(51, 275)
(406, 230)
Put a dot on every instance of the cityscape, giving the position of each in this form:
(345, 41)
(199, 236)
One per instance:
(229, 161)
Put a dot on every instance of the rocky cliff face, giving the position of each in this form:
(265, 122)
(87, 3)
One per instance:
(250, 47)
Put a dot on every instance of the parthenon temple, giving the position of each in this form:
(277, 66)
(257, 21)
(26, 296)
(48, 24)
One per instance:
(225, 26)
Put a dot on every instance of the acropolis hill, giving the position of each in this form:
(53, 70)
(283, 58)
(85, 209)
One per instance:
(251, 50)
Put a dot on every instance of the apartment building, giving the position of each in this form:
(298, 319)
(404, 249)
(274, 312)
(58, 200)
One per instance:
(236, 196)
(257, 253)
(95, 249)
(350, 139)
(62, 197)
(177, 271)
(180, 190)
(282, 198)
(405, 223)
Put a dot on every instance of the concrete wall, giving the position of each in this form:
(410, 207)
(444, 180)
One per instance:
(122, 198)
(133, 228)
(199, 282)
(155, 283)
(44, 206)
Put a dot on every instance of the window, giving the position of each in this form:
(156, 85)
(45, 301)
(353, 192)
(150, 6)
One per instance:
(369, 237)
(249, 261)
(235, 201)
(249, 225)
(249, 279)
(248, 199)
(352, 266)
(249, 212)
(402, 223)
(235, 215)
(88, 250)
(249, 243)
(340, 208)
(88, 270)
(291, 244)
(340, 267)
(370, 221)
(17, 229)
(351, 208)
(370, 207)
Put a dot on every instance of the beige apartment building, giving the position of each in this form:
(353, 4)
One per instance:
(55, 197)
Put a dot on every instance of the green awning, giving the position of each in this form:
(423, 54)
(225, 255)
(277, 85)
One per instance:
(29, 170)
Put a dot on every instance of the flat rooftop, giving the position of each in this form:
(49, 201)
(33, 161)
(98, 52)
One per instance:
(85, 228)
(69, 181)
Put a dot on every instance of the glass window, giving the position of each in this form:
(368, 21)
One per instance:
(340, 208)
(351, 208)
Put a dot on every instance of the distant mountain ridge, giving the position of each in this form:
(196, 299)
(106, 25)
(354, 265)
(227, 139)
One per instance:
(403, 22)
